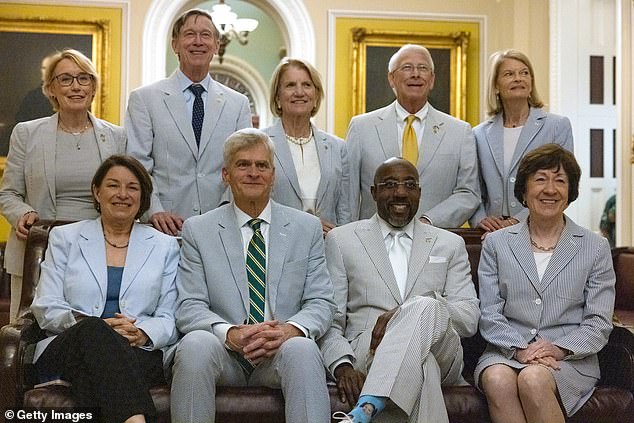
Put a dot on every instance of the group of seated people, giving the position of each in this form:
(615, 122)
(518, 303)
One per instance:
(305, 259)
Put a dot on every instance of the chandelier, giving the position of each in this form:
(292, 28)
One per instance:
(230, 26)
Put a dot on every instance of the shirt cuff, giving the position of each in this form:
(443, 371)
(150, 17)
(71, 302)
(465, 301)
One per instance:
(220, 330)
(345, 359)
(301, 328)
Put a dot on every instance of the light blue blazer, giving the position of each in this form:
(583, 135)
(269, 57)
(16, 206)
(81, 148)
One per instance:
(334, 185)
(540, 128)
(29, 177)
(212, 280)
(74, 279)
(571, 306)
(187, 178)
(447, 164)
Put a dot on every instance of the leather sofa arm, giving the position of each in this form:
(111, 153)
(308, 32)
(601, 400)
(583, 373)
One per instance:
(616, 360)
(10, 336)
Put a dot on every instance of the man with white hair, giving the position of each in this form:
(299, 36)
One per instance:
(440, 146)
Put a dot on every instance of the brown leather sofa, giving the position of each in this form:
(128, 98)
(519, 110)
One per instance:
(612, 402)
(623, 260)
(5, 289)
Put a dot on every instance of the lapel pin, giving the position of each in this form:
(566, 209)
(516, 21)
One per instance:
(436, 128)
(102, 137)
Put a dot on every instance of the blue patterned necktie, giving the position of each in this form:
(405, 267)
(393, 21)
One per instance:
(256, 273)
(198, 112)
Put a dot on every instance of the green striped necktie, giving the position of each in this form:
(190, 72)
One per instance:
(256, 273)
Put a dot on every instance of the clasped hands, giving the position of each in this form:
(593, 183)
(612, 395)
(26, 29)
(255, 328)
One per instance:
(125, 327)
(541, 352)
(260, 341)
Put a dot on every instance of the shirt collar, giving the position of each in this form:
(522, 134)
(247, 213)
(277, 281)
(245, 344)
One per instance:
(386, 228)
(401, 113)
(242, 218)
(184, 82)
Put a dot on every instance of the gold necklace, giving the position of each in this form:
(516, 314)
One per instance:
(75, 134)
(539, 247)
(536, 245)
(113, 244)
(300, 140)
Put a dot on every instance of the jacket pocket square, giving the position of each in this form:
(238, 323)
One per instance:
(437, 259)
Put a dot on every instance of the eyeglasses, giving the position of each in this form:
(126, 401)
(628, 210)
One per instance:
(66, 79)
(409, 68)
(393, 185)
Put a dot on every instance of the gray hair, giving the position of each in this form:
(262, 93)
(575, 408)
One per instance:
(243, 139)
(396, 57)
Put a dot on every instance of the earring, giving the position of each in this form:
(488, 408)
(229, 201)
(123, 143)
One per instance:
(98, 207)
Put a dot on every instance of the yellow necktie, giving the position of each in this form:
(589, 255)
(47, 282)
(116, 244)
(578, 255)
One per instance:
(410, 141)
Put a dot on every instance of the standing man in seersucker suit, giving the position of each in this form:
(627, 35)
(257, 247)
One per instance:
(176, 127)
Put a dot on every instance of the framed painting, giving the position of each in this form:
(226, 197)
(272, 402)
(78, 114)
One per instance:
(372, 49)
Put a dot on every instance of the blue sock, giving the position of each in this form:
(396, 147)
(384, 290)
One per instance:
(367, 407)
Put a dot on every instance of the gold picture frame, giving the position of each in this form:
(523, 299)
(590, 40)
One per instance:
(372, 48)
(30, 32)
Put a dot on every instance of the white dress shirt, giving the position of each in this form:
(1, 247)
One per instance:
(306, 163)
(221, 329)
(184, 82)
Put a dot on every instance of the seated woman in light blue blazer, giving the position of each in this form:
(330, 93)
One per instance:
(547, 299)
(517, 125)
(106, 298)
(311, 166)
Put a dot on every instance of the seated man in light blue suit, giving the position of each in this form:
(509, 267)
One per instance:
(178, 140)
(442, 147)
(405, 297)
(253, 294)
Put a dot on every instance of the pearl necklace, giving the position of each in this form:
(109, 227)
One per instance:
(75, 134)
(300, 140)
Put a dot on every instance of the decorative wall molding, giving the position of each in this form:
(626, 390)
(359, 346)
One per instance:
(296, 26)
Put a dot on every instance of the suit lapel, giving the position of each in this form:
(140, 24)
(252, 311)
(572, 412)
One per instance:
(519, 243)
(93, 250)
(283, 155)
(48, 141)
(324, 153)
(388, 132)
(421, 247)
(432, 137)
(141, 245)
(213, 109)
(278, 237)
(231, 239)
(533, 125)
(175, 103)
(105, 141)
(567, 247)
(369, 233)
(494, 134)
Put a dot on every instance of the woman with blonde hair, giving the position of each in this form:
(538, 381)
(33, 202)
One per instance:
(311, 165)
(51, 160)
(517, 124)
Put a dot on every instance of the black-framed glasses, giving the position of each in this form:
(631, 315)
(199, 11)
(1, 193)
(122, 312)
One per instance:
(393, 185)
(66, 79)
